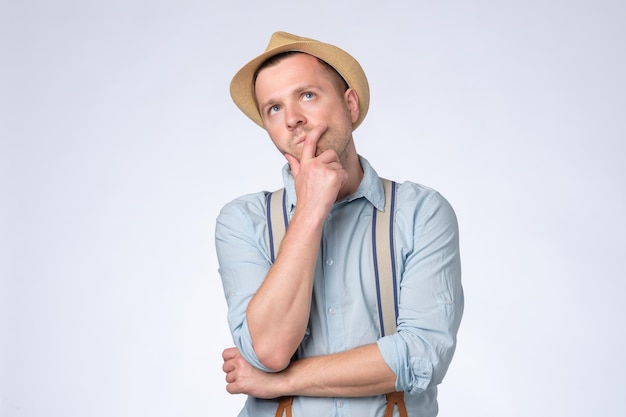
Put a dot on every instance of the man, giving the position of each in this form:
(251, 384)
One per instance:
(305, 326)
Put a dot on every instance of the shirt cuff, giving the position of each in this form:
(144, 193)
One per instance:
(413, 374)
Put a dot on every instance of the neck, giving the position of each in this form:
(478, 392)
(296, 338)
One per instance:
(353, 166)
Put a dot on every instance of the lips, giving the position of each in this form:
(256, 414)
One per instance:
(299, 135)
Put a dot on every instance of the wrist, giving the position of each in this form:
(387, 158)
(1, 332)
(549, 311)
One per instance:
(310, 218)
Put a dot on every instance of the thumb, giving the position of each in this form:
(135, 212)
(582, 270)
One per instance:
(229, 353)
(293, 163)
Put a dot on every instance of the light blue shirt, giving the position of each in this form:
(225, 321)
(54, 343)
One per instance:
(343, 312)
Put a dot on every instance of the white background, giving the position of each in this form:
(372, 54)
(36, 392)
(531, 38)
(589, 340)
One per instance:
(119, 144)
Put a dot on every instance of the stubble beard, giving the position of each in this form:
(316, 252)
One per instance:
(333, 140)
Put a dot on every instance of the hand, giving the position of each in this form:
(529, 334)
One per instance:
(318, 177)
(243, 378)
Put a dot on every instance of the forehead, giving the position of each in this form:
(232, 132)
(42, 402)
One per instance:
(293, 69)
(298, 62)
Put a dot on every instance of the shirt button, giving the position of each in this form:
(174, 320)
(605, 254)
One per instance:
(331, 311)
(340, 404)
(329, 262)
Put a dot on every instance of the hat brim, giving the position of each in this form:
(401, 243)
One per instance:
(242, 88)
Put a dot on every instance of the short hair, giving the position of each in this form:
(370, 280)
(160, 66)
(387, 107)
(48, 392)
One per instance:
(275, 59)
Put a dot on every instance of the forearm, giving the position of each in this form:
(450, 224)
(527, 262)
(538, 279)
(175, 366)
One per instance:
(358, 372)
(278, 313)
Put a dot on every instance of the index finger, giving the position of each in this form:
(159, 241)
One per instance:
(310, 142)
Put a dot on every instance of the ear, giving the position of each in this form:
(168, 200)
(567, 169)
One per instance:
(352, 101)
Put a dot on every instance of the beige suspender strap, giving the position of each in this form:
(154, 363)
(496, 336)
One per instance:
(385, 276)
(276, 220)
(385, 261)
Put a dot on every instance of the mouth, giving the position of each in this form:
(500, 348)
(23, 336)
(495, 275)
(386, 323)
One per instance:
(299, 135)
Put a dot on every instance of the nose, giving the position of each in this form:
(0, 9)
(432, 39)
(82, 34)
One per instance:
(294, 117)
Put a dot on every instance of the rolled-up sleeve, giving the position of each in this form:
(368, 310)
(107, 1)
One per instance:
(431, 295)
(243, 264)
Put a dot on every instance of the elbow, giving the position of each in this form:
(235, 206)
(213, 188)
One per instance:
(273, 355)
(273, 360)
(273, 347)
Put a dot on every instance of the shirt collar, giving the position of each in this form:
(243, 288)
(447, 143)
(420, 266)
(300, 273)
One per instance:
(370, 187)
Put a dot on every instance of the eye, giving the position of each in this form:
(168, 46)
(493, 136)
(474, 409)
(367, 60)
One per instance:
(308, 96)
(273, 109)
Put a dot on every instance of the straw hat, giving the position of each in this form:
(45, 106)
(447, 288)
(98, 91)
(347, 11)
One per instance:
(242, 88)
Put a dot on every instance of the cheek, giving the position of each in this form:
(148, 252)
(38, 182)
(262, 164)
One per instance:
(279, 141)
